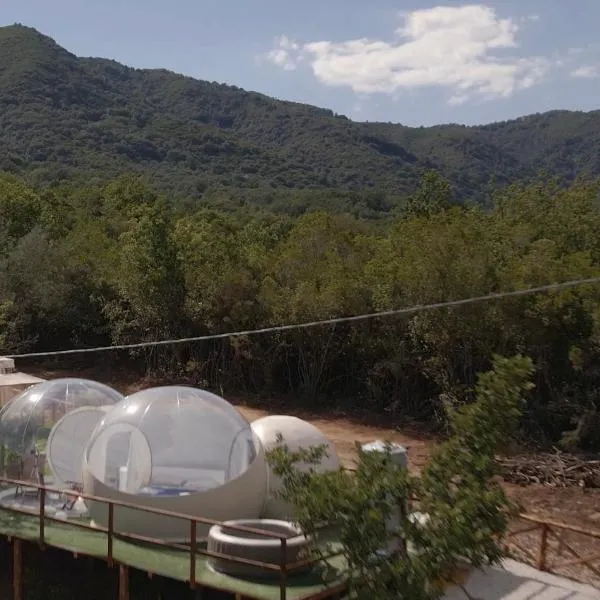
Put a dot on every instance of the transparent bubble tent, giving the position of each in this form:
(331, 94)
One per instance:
(174, 448)
(179, 449)
(34, 428)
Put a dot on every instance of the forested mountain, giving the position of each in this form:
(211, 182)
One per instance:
(64, 117)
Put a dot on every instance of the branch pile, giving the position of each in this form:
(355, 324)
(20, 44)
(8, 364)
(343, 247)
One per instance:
(551, 469)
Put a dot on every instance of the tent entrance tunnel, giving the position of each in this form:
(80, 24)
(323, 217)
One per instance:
(121, 457)
(67, 442)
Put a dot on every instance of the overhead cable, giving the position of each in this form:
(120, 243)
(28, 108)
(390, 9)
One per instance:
(311, 324)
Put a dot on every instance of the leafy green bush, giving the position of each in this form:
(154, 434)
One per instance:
(466, 510)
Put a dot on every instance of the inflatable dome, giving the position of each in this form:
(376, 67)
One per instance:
(29, 422)
(179, 449)
(296, 434)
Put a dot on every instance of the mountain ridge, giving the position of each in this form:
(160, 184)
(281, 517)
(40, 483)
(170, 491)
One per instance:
(64, 117)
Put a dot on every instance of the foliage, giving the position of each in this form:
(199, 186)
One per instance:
(466, 509)
(150, 282)
(120, 264)
(87, 119)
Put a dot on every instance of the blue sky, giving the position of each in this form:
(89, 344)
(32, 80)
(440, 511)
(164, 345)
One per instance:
(417, 63)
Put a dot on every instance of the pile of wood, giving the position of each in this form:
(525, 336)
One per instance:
(551, 469)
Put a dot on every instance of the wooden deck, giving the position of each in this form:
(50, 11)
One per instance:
(155, 558)
(189, 564)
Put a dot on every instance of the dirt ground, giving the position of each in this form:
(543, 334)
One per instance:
(570, 505)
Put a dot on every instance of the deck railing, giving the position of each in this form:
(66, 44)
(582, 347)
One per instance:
(284, 568)
(553, 541)
(547, 542)
(550, 539)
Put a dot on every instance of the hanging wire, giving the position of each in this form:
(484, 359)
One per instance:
(311, 324)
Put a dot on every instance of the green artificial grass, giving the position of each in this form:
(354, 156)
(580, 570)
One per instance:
(167, 562)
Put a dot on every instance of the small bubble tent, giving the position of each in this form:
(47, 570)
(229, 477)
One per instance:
(34, 425)
(296, 434)
(179, 449)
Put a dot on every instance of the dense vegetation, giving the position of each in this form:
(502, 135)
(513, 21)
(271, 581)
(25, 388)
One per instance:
(65, 118)
(242, 211)
(81, 266)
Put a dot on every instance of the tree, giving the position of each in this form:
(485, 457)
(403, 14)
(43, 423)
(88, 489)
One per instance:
(149, 280)
(35, 294)
(316, 273)
(20, 211)
(433, 196)
(465, 510)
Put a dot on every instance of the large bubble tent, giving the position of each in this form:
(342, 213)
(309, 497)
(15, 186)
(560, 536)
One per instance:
(179, 449)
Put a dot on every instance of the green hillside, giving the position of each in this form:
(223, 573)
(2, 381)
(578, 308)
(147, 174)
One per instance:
(64, 117)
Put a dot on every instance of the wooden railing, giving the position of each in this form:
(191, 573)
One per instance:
(283, 568)
(546, 543)
(562, 549)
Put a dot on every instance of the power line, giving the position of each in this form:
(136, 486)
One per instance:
(276, 328)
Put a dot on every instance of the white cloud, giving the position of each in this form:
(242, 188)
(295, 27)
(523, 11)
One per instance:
(281, 55)
(586, 72)
(462, 49)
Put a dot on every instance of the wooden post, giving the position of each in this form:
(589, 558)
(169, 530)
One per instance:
(109, 533)
(42, 493)
(193, 551)
(541, 562)
(17, 569)
(123, 582)
(283, 568)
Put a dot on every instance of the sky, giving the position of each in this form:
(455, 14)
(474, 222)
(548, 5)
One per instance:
(411, 62)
